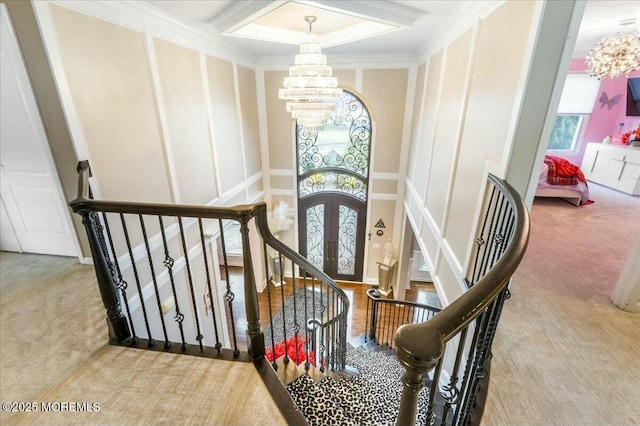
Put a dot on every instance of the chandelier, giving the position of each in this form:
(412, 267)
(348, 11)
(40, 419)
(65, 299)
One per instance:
(310, 90)
(615, 55)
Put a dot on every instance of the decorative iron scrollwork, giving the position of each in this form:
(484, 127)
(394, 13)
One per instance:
(342, 145)
(333, 182)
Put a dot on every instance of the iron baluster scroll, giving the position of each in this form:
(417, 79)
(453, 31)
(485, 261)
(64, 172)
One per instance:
(333, 171)
(337, 157)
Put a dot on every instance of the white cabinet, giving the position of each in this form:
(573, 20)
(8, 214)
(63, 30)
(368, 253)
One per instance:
(615, 166)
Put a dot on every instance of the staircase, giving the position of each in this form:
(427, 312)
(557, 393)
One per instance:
(157, 267)
(368, 396)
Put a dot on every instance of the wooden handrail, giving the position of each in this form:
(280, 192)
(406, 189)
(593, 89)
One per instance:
(401, 302)
(84, 202)
(85, 205)
(421, 346)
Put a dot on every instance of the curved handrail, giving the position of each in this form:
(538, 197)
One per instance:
(267, 236)
(424, 343)
(304, 264)
(420, 347)
(401, 302)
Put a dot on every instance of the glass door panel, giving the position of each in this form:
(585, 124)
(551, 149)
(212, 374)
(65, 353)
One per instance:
(315, 235)
(347, 237)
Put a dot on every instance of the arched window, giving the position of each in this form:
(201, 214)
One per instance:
(333, 185)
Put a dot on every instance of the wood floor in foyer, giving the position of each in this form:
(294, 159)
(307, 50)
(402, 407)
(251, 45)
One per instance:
(356, 292)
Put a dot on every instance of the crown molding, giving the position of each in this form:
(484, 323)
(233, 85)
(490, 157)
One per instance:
(384, 12)
(240, 13)
(462, 19)
(142, 17)
(341, 61)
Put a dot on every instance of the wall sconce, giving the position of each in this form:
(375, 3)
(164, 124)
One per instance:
(379, 224)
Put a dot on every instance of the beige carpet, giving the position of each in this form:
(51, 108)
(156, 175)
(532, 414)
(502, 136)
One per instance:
(53, 336)
(564, 354)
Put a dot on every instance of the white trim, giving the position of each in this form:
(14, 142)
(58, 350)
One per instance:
(281, 172)
(148, 290)
(257, 198)
(370, 196)
(462, 19)
(412, 173)
(384, 12)
(238, 14)
(294, 180)
(382, 196)
(432, 136)
(140, 16)
(253, 178)
(236, 93)
(52, 47)
(237, 189)
(210, 125)
(387, 176)
(155, 242)
(285, 193)
(404, 153)
(359, 83)
(343, 61)
(263, 131)
(460, 129)
(158, 104)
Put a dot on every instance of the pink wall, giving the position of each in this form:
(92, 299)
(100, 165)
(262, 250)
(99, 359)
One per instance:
(604, 121)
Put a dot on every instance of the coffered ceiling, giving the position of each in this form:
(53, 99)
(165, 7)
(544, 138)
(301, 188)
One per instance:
(270, 28)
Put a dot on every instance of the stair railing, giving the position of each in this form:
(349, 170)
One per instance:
(385, 316)
(317, 306)
(467, 326)
(154, 261)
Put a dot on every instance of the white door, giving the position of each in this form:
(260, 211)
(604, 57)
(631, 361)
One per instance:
(32, 202)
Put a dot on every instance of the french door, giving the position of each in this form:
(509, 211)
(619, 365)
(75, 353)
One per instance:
(333, 182)
(334, 230)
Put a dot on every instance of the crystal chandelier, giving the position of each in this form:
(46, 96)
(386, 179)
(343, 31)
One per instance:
(310, 89)
(615, 55)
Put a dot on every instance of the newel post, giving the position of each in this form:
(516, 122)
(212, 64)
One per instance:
(255, 337)
(417, 360)
(116, 321)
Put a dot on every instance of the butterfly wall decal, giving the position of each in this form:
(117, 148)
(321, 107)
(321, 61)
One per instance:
(604, 100)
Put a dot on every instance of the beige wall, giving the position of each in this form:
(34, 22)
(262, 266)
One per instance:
(250, 129)
(226, 127)
(107, 72)
(384, 92)
(186, 117)
(160, 120)
(279, 123)
(472, 90)
(455, 110)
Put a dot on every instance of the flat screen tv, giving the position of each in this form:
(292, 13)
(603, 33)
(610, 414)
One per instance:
(633, 97)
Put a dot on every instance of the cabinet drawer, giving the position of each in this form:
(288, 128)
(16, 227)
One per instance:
(633, 155)
(613, 154)
(631, 170)
(628, 185)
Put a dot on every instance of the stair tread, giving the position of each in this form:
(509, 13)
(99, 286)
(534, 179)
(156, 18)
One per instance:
(370, 397)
